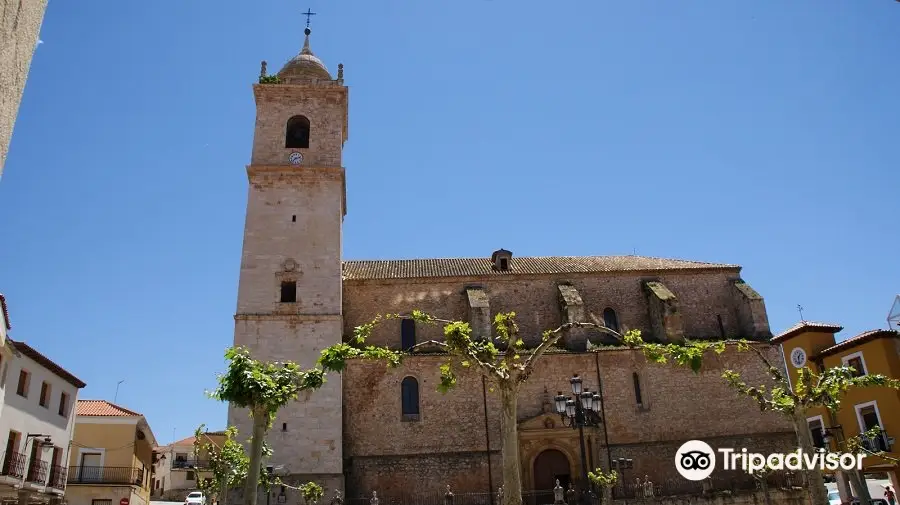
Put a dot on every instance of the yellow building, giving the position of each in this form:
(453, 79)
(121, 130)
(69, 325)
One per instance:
(111, 456)
(813, 345)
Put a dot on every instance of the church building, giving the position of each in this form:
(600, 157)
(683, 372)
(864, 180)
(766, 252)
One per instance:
(390, 430)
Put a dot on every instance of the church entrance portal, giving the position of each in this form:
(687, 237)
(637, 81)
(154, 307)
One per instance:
(549, 466)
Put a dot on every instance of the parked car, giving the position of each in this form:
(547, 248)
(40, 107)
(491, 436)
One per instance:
(197, 498)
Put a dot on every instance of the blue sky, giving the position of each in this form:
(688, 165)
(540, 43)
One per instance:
(761, 133)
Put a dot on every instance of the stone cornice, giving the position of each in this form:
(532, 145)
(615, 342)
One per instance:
(289, 317)
(300, 171)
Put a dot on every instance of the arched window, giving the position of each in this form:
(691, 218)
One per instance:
(610, 319)
(409, 393)
(297, 133)
(637, 388)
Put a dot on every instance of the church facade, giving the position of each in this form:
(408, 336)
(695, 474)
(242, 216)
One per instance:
(390, 430)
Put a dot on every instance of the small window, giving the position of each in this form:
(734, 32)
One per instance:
(638, 397)
(22, 387)
(289, 292)
(283, 426)
(409, 392)
(817, 431)
(294, 218)
(856, 362)
(190, 475)
(64, 405)
(297, 133)
(610, 319)
(504, 264)
(407, 334)
(721, 326)
(44, 401)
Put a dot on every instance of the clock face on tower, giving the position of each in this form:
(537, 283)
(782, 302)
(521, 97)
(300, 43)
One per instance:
(296, 158)
(798, 357)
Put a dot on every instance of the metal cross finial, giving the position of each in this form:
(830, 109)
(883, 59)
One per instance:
(308, 13)
(800, 310)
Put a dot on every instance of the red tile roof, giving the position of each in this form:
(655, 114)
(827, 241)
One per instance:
(47, 363)
(804, 326)
(471, 267)
(102, 408)
(866, 336)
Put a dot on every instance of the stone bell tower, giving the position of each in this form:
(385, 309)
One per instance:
(289, 295)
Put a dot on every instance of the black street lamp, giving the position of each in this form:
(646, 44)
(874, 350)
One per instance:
(583, 410)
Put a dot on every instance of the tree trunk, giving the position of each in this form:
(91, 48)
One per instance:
(764, 482)
(859, 482)
(816, 483)
(223, 492)
(260, 423)
(509, 445)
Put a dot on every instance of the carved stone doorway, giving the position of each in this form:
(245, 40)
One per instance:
(549, 466)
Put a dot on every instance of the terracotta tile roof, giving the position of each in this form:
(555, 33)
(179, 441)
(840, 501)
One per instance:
(472, 267)
(190, 440)
(866, 336)
(102, 408)
(804, 326)
(5, 311)
(47, 363)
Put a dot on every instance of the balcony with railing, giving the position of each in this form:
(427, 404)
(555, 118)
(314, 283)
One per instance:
(57, 477)
(13, 465)
(189, 464)
(879, 443)
(37, 472)
(94, 475)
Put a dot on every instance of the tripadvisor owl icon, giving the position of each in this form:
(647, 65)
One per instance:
(695, 460)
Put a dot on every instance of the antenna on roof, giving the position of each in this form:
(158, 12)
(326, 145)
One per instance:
(893, 318)
(800, 310)
(116, 396)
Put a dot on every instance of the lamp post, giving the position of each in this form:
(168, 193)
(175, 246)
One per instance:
(580, 411)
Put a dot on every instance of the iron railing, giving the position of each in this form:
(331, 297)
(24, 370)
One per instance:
(878, 443)
(14, 464)
(733, 483)
(57, 477)
(189, 464)
(105, 475)
(37, 471)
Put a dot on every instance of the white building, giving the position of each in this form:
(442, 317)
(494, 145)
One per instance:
(37, 422)
(178, 468)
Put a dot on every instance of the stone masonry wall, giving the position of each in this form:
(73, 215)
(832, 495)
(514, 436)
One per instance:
(678, 405)
(306, 434)
(325, 106)
(701, 297)
(20, 26)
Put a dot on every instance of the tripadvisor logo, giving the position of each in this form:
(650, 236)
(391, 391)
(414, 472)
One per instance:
(696, 460)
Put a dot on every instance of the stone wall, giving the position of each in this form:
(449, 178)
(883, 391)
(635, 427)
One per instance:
(701, 297)
(449, 440)
(20, 26)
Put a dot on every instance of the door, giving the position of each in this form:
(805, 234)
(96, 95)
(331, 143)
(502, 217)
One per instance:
(90, 469)
(550, 466)
(868, 419)
(12, 447)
